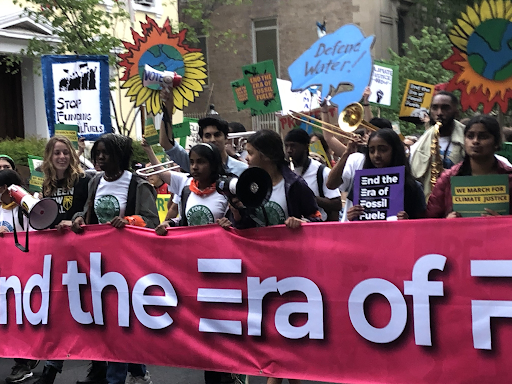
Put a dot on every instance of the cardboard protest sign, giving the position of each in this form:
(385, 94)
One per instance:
(471, 194)
(340, 63)
(481, 60)
(151, 135)
(76, 92)
(36, 175)
(262, 91)
(317, 147)
(297, 101)
(193, 138)
(416, 101)
(240, 94)
(183, 129)
(69, 131)
(161, 205)
(380, 191)
(384, 85)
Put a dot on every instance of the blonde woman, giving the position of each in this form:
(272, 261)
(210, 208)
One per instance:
(66, 183)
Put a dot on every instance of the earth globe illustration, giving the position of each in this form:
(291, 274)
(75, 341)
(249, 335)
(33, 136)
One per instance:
(162, 58)
(489, 49)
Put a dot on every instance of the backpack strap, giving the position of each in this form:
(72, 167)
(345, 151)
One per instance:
(320, 180)
(185, 194)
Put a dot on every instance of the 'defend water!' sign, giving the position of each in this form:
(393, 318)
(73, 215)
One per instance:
(339, 63)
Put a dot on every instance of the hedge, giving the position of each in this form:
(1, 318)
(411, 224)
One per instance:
(19, 149)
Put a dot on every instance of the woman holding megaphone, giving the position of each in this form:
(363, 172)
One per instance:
(291, 201)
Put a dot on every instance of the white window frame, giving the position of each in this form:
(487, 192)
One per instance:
(254, 30)
(156, 9)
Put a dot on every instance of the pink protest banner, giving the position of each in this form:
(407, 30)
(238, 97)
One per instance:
(398, 302)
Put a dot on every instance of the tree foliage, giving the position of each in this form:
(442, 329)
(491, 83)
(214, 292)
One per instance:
(195, 15)
(421, 61)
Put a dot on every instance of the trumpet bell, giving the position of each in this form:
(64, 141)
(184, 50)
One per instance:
(351, 117)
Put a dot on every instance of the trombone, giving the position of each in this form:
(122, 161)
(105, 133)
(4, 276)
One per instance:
(143, 171)
(350, 119)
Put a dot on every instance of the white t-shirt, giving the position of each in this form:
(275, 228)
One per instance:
(310, 176)
(276, 208)
(355, 162)
(199, 210)
(6, 219)
(111, 197)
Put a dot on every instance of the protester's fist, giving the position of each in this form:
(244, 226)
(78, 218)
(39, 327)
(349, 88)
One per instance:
(366, 94)
(144, 144)
(161, 229)
(354, 212)
(166, 92)
(77, 225)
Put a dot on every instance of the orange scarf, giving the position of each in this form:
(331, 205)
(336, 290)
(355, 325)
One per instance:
(205, 192)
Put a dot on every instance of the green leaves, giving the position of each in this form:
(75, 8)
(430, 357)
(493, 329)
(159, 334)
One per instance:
(421, 61)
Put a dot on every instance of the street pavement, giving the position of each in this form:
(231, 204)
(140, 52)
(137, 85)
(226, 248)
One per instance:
(76, 370)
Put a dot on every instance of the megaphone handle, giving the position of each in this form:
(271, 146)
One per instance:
(16, 242)
(256, 219)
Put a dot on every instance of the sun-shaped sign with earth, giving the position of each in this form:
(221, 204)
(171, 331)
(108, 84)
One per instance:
(482, 55)
(164, 51)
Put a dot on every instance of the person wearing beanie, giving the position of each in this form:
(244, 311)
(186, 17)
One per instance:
(315, 174)
(6, 162)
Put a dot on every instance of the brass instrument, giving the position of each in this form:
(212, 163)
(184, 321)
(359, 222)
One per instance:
(350, 119)
(436, 163)
(143, 171)
(242, 140)
(331, 128)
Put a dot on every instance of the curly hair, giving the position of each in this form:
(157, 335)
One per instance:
(72, 173)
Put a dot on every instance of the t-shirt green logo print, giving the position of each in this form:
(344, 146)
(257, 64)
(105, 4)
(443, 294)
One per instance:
(199, 215)
(106, 208)
(275, 213)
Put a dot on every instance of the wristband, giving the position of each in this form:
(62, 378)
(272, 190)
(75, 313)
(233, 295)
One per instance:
(365, 104)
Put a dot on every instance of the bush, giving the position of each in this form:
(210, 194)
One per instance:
(19, 149)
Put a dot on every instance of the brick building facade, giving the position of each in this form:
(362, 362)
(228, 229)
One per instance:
(288, 28)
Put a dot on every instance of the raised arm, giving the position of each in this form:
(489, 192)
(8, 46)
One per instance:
(337, 146)
(335, 178)
(165, 176)
(167, 98)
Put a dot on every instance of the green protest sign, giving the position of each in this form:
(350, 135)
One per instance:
(36, 175)
(472, 194)
(69, 131)
(262, 90)
(151, 135)
(240, 93)
(183, 129)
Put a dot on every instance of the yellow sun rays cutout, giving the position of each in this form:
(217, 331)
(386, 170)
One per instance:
(164, 51)
(482, 55)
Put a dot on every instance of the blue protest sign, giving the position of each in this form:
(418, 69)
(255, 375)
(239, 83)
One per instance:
(76, 92)
(339, 63)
